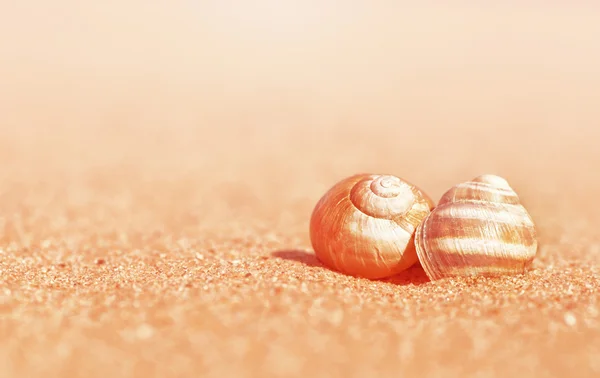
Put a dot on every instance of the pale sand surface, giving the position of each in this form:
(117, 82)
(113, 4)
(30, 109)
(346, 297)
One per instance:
(160, 163)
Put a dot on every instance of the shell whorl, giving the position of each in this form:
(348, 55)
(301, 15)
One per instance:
(382, 196)
(478, 228)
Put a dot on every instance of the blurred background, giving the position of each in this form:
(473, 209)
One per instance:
(232, 99)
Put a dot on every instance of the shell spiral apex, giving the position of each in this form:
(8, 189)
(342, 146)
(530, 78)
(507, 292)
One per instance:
(479, 227)
(364, 225)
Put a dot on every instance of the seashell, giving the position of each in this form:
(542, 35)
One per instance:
(364, 225)
(478, 227)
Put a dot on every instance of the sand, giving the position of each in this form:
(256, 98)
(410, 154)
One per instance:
(160, 164)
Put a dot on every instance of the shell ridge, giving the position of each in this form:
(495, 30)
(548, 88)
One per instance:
(513, 212)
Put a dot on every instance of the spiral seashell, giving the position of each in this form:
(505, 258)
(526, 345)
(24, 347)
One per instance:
(478, 228)
(364, 225)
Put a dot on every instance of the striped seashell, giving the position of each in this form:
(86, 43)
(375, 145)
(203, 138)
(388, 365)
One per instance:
(478, 228)
(364, 225)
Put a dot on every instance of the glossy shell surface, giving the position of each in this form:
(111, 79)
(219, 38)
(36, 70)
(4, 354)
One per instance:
(478, 227)
(365, 224)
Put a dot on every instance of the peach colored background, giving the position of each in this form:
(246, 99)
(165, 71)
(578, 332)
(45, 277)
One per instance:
(160, 161)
